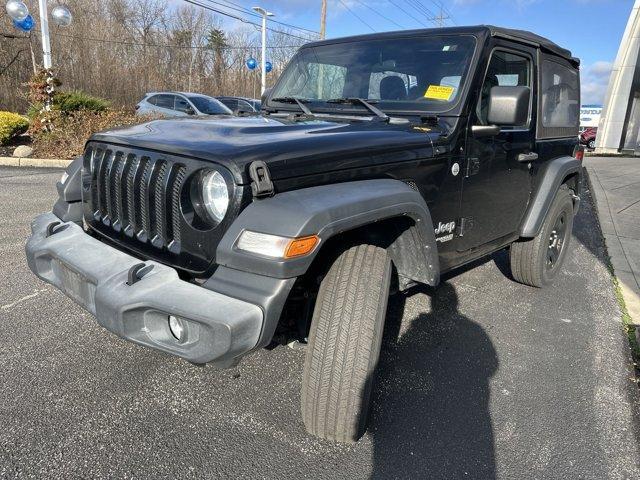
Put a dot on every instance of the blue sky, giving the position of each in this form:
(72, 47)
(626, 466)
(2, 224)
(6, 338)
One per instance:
(591, 29)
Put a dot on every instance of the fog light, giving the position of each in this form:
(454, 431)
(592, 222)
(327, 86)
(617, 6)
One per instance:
(177, 327)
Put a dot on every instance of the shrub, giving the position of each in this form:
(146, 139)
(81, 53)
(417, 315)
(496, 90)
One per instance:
(74, 101)
(69, 102)
(69, 132)
(11, 124)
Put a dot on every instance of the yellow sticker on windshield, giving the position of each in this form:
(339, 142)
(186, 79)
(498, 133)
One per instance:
(439, 92)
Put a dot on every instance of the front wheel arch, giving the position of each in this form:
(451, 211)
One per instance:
(329, 211)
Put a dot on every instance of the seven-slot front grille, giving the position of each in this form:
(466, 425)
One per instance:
(137, 195)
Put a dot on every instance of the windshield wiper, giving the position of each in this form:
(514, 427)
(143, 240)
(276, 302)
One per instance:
(299, 101)
(355, 100)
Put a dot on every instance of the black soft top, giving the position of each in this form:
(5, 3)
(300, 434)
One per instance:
(521, 36)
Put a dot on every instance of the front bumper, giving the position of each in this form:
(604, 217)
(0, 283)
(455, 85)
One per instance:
(219, 328)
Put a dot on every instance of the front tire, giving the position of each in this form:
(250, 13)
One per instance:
(537, 261)
(344, 344)
(591, 145)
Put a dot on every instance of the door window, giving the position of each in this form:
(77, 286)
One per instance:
(506, 69)
(165, 101)
(560, 96)
(182, 105)
(231, 103)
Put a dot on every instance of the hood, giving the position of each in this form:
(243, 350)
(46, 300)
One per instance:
(290, 147)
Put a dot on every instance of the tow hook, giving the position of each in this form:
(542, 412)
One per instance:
(52, 230)
(136, 272)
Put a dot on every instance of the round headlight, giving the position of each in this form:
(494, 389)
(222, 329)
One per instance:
(215, 195)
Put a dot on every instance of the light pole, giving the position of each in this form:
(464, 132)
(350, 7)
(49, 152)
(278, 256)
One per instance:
(61, 16)
(44, 29)
(263, 59)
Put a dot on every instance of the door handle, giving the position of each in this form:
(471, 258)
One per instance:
(527, 157)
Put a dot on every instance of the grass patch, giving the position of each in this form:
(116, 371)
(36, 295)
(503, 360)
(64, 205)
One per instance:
(629, 329)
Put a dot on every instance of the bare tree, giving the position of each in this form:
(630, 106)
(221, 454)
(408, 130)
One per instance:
(120, 49)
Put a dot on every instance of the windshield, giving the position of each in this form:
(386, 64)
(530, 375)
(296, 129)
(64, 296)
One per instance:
(403, 74)
(209, 106)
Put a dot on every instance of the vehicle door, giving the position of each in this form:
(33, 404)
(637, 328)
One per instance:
(183, 107)
(497, 183)
(165, 105)
(230, 103)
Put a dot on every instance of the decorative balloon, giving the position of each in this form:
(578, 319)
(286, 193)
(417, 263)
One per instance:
(25, 25)
(268, 66)
(252, 63)
(61, 16)
(17, 10)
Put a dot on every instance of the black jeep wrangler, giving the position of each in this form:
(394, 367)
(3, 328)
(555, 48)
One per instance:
(378, 162)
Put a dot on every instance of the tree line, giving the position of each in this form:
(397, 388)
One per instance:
(121, 49)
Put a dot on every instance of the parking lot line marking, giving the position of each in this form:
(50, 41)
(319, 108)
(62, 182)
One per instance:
(23, 299)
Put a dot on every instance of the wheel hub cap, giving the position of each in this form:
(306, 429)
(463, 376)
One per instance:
(556, 240)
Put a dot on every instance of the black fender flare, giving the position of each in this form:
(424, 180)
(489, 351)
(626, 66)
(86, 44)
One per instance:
(68, 207)
(553, 175)
(329, 210)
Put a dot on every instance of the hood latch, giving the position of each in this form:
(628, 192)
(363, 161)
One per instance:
(261, 184)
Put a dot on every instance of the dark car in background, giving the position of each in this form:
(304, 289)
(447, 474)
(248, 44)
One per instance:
(588, 137)
(240, 104)
(180, 104)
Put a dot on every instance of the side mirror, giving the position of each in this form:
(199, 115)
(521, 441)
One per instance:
(265, 95)
(190, 111)
(509, 106)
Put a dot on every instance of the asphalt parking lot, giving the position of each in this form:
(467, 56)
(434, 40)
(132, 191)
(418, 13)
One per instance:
(487, 379)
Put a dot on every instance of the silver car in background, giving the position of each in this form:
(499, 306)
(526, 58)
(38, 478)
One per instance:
(180, 104)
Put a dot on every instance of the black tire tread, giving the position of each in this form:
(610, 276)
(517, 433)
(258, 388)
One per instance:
(526, 256)
(344, 344)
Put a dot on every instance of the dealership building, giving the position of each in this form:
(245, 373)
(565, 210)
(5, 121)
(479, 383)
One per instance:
(619, 127)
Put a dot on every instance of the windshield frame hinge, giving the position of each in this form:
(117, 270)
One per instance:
(261, 184)
(462, 226)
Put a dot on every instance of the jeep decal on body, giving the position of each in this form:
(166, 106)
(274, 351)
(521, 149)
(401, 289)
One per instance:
(447, 228)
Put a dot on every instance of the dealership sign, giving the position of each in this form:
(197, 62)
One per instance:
(590, 115)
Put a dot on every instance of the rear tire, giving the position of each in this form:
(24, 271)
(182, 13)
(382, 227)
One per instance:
(591, 145)
(344, 344)
(537, 261)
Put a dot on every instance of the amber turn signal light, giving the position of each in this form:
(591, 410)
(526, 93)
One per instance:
(301, 246)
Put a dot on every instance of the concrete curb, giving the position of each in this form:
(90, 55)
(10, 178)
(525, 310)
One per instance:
(621, 268)
(34, 162)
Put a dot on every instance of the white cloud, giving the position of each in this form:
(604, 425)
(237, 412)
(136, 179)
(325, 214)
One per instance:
(601, 69)
(595, 80)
